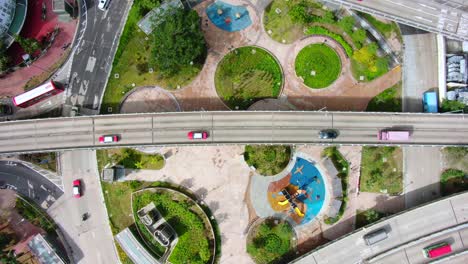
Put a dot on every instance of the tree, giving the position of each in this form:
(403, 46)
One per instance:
(372, 216)
(178, 41)
(29, 45)
(449, 106)
(347, 24)
(4, 59)
(6, 239)
(359, 37)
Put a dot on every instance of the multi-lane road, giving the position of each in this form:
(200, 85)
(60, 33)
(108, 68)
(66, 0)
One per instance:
(408, 233)
(448, 17)
(267, 127)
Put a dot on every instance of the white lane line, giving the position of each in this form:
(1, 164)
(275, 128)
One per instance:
(427, 6)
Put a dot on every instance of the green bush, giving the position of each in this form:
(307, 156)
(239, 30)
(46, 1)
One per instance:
(193, 245)
(319, 58)
(367, 63)
(316, 30)
(451, 106)
(387, 101)
(267, 160)
(450, 174)
(347, 24)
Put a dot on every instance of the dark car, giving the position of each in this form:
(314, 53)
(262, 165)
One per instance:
(5, 110)
(328, 134)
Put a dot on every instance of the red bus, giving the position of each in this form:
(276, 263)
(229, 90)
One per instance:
(36, 95)
(437, 250)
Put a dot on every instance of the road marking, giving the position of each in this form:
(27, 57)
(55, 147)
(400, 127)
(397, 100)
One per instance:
(90, 64)
(427, 6)
(424, 19)
(83, 87)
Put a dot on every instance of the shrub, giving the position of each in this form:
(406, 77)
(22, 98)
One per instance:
(347, 24)
(316, 30)
(449, 106)
(267, 160)
(451, 174)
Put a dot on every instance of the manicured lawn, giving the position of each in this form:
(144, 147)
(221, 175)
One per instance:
(387, 101)
(320, 59)
(267, 160)
(381, 170)
(453, 181)
(129, 158)
(117, 197)
(188, 221)
(131, 63)
(270, 242)
(246, 75)
(281, 25)
(342, 166)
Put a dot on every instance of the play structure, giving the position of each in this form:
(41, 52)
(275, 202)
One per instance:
(228, 17)
(300, 194)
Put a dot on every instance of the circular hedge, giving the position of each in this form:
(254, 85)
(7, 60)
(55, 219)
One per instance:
(271, 242)
(267, 160)
(318, 65)
(246, 75)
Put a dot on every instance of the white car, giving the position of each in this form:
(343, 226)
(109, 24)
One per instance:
(103, 4)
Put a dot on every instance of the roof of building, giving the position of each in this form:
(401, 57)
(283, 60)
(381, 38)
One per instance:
(43, 251)
(150, 20)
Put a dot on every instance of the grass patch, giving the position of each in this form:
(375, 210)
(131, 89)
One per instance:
(117, 196)
(132, 63)
(129, 158)
(342, 166)
(47, 161)
(267, 160)
(281, 25)
(270, 242)
(321, 59)
(188, 222)
(367, 217)
(387, 101)
(453, 181)
(381, 170)
(385, 29)
(456, 157)
(246, 75)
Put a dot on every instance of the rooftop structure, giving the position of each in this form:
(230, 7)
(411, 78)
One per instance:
(157, 225)
(12, 17)
(151, 19)
(43, 251)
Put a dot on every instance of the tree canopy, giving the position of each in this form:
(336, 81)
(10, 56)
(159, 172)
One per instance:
(178, 41)
(4, 59)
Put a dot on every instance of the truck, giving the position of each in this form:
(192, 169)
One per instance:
(397, 135)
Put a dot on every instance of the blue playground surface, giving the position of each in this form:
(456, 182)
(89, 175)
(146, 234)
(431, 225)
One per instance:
(307, 177)
(228, 17)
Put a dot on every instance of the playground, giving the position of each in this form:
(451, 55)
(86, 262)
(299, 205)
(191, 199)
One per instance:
(300, 194)
(228, 17)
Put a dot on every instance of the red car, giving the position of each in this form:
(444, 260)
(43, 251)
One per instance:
(77, 189)
(108, 139)
(197, 135)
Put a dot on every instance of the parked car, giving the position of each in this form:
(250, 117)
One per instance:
(5, 109)
(103, 4)
(197, 135)
(108, 138)
(328, 134)
(77, 189)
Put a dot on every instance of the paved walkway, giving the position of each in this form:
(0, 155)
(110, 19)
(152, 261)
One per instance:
(345, 94)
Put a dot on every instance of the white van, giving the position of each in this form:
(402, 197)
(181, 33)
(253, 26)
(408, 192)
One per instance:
(103, 4)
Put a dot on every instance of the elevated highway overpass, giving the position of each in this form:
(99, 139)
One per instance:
(235, 127)
(409, 232)
(446, 17)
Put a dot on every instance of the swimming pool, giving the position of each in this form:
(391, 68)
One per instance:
(307, 177)
(228, 17)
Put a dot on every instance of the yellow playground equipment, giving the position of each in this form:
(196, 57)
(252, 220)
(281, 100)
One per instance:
(285, 202)
(298, 212)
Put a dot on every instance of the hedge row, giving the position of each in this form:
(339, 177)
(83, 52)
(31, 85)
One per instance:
(316, 30)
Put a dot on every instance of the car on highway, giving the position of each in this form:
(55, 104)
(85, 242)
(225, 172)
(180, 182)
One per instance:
(108, 139)
(328, 134)
(197, 135)
(103, 4)
(77, 191)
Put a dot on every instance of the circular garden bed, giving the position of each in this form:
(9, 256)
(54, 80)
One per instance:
(267, 160)
(196, 241)
(318, 65)
(246, 75)
(271, 241)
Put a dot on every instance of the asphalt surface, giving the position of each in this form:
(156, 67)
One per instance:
(449, 17)
(420, 69)
(91, 241)
(230, 128)
(421, 177)
(408, 234)
(98, 36)
(29, 183)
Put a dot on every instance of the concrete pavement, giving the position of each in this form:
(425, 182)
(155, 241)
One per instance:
(91, 241)
(230, 128)
(422, 169)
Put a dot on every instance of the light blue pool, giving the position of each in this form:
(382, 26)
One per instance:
(228, 17)
(307, 177)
